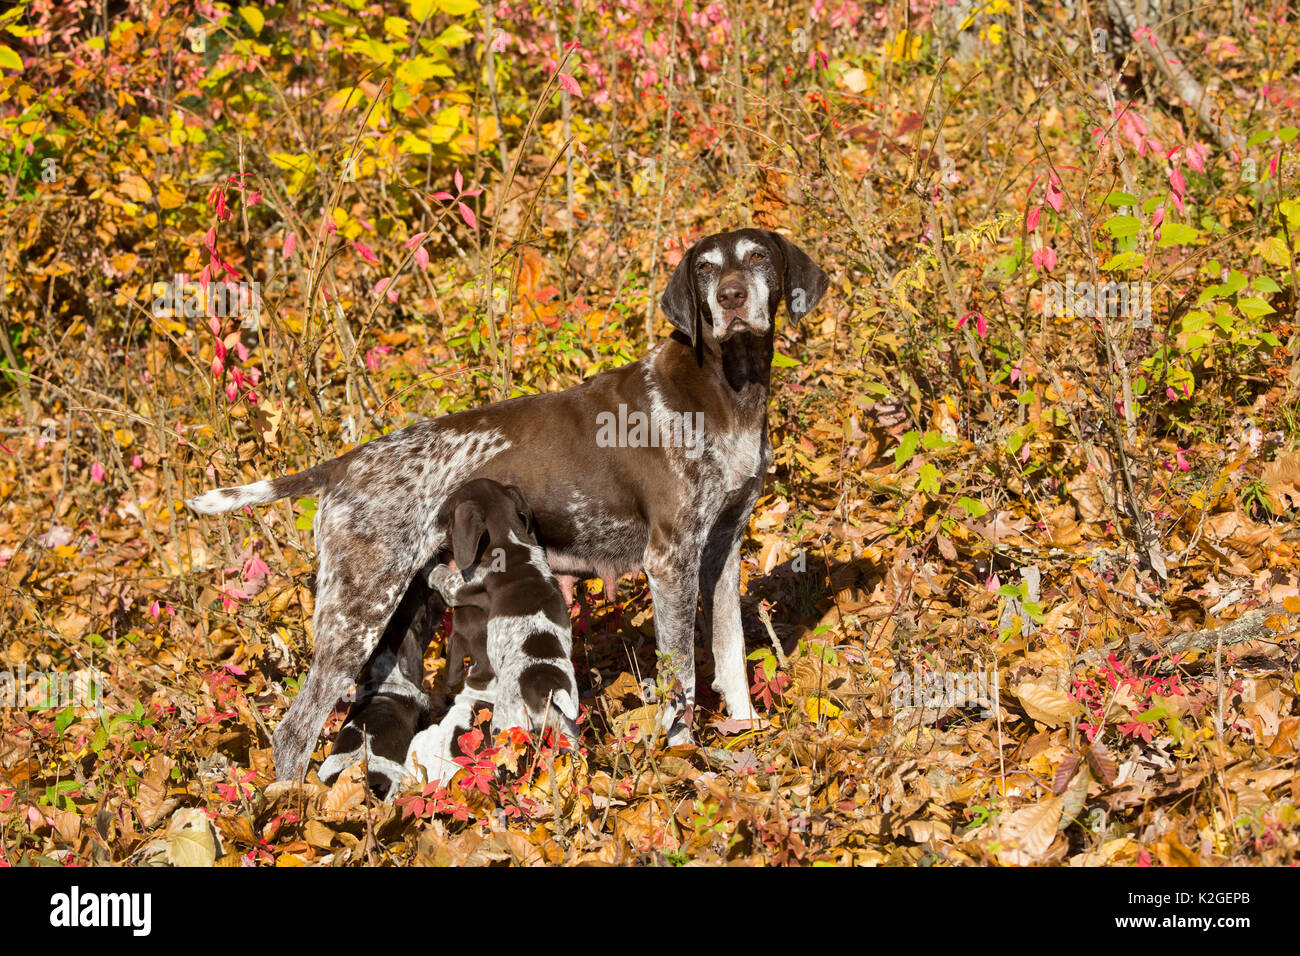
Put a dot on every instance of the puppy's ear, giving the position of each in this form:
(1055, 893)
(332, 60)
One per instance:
(680, 302)
(804, 282)
(521, 507)
(468, 533)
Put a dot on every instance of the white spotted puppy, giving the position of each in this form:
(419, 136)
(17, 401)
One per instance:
(511, 622)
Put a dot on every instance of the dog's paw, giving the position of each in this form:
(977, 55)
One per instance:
(743, 709)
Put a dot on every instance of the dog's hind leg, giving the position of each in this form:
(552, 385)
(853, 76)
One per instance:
(356, 596)
(391, 703)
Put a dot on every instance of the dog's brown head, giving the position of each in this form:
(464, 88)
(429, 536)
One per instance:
(479, 518)
(732, 283)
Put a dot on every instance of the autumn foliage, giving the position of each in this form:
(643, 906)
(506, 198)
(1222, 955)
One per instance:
(1023, 584)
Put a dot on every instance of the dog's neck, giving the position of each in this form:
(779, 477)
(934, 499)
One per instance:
(741, 366)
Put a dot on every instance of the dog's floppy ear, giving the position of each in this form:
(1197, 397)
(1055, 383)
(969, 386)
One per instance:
(521, 506)
(468, 534)
(804, 282)
(679, 301)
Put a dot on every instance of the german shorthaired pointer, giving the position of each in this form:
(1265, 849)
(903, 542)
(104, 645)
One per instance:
(511, 621)
(607, 501)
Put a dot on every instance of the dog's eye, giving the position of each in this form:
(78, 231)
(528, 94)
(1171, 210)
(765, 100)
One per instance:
(758, 257)
(704, 268)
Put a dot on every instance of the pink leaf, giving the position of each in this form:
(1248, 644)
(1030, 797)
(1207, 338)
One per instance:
(366, 252)
(1031, 220)
(255, 569)
(459, 180)
(414, 241)
(570, 84)
(97, 473)
(468, 215)
(1055, 198)
(384, 287)
(422, 258)
(442, 196)
(137, 461)
(290, 244)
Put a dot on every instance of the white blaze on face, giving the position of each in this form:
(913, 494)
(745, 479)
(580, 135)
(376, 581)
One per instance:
(755, 275)
(756, 288)
(707, 286)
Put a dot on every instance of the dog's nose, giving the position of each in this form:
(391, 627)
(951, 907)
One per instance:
(731, 294)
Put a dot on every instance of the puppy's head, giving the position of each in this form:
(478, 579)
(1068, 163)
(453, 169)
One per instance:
(733, 283)
(479, 518)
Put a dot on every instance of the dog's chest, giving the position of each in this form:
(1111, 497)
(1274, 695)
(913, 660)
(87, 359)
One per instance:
(739, 456)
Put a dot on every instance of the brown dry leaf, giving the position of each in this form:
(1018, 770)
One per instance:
(1282, 478)
(1046, 704)
(1085, 492)
(152, 800)
(318, 834)
(349, 790)
(1031, 830)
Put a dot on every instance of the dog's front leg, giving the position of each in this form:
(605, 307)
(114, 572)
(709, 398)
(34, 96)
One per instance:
(720, 589)
(673, 571)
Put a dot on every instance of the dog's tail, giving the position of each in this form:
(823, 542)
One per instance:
(260, 492)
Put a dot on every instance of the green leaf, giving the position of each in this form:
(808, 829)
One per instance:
(1254, 307)
(254, 18)
(976, 509)
(1287, 133)
(1124, 262)
(304, 521)
(1119, 198)
(1121, 227)
(779, 361)
(906, 448)
(1176, 234)
(929, 480)
(64, 720)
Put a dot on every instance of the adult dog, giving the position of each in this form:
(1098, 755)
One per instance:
(669, 490)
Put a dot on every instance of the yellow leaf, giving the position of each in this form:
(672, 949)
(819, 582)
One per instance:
(11, 60)
(253, 17)
(458, 8)
(133, 187)
(818, 707)
(420, 9)
(170, 196)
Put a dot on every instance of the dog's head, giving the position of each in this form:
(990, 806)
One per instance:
(480, 517)
(732, 284)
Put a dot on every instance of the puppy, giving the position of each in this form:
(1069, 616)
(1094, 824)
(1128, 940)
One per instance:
(511, 622)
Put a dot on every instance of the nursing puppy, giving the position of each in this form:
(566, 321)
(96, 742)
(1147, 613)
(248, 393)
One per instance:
(511, 622)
